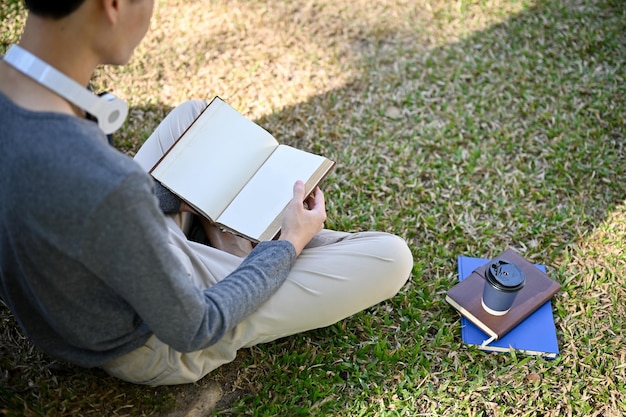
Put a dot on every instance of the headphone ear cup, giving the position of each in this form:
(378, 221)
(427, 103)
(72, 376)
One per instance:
(110, 112)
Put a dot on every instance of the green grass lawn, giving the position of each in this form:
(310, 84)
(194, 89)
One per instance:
(464, 126)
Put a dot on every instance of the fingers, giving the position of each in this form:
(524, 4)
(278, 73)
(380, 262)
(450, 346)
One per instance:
(316, 200)
(304, 217)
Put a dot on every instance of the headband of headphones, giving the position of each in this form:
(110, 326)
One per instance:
(108, 109)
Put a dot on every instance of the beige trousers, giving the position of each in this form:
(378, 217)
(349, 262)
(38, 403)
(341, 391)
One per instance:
(338, 274)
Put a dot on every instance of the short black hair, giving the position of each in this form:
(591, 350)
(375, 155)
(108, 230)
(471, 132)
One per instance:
(56, 9)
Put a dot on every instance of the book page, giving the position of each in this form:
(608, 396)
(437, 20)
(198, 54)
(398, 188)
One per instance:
(268, 192)
(214, 158)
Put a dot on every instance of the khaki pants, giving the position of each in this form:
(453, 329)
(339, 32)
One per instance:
(337, 275)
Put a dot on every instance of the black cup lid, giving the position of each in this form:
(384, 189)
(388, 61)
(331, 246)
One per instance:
(505, 275)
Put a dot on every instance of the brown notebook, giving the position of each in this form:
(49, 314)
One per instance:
(466, 297)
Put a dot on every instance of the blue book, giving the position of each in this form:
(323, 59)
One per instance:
(535, 335)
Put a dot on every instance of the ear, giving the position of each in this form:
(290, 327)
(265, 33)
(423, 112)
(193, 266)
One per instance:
(111, 9)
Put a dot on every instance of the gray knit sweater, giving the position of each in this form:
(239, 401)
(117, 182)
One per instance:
(85, 264)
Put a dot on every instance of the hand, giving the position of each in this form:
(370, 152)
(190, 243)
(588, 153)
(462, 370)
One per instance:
(303, 217)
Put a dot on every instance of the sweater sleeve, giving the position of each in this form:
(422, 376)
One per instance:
(127, 246)
(168, 201)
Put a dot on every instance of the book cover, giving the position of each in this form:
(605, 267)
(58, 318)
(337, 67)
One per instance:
(466, 297)
(235, 173)
(536, 335)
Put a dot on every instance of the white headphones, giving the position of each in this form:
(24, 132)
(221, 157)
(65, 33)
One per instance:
(108, 109)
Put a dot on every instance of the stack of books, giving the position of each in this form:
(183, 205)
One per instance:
(527, 328)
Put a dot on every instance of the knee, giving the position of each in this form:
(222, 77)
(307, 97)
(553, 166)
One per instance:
(398, 262)
(190, 108)
(403, 259)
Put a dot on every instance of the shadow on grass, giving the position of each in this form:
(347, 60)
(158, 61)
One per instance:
(513, 136)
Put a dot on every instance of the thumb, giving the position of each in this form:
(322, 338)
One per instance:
(298, 191)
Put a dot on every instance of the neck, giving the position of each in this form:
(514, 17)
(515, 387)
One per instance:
(57, 43)
(51, 42)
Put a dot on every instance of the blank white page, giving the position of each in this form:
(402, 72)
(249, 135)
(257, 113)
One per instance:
(267, 194)
(215, 158)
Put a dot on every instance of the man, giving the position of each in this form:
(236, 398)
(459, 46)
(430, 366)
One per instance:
(92, 262)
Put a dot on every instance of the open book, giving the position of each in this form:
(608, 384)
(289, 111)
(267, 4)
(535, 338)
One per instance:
(235, 173)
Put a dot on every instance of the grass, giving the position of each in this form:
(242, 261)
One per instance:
(466, 127)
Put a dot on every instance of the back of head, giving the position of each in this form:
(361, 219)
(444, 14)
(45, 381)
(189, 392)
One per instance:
(57, 9)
